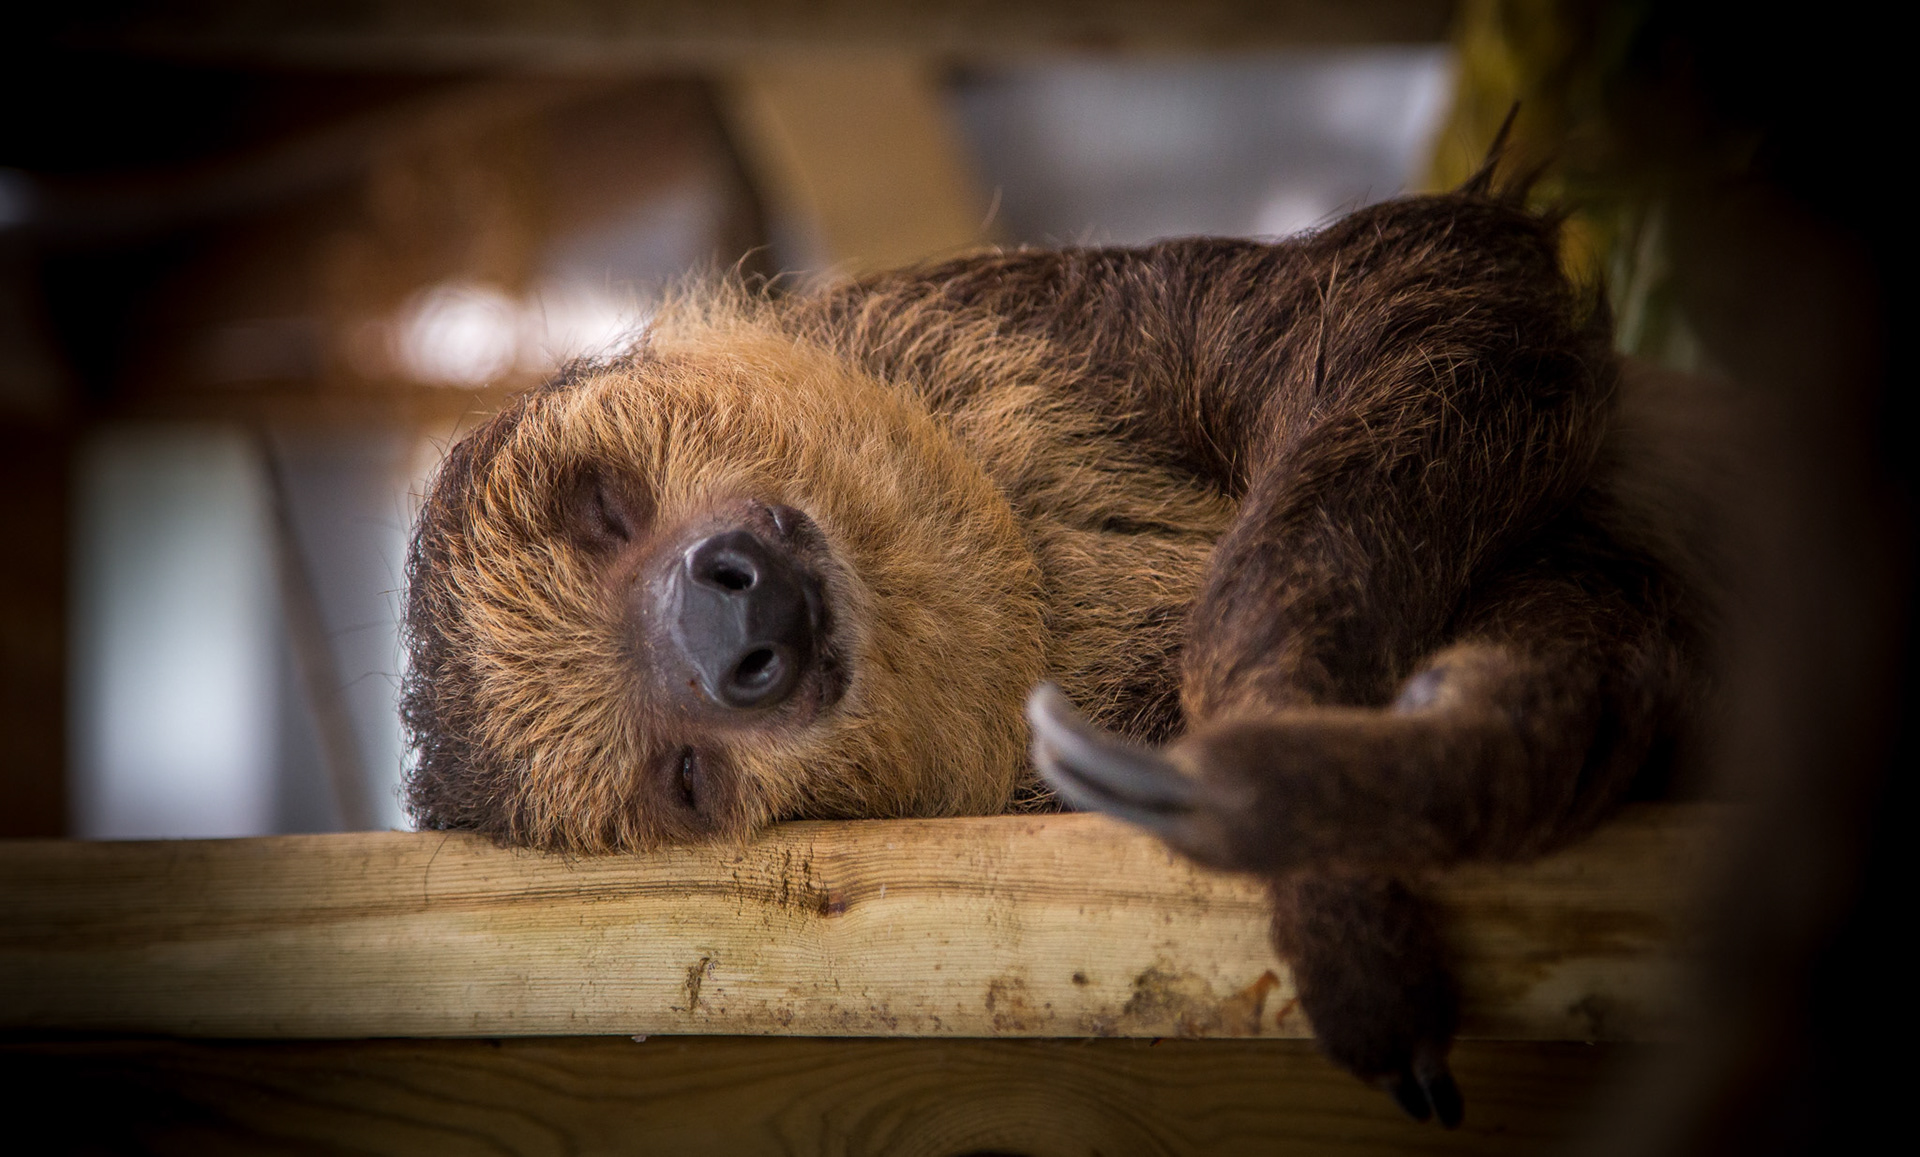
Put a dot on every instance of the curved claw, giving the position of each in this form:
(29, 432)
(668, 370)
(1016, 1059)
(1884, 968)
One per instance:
(1409, 1095)
(1436, 1081)
(1444, 1094)
(1095, 771)
(1427, 1090)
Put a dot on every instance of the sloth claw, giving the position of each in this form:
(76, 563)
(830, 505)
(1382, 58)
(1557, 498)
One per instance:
(1444, 1095)
(1409, 1095)
(1427, 1089)
(1094, 770)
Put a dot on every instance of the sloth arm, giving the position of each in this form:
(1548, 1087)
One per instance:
(1525, 727)
(1416, 644)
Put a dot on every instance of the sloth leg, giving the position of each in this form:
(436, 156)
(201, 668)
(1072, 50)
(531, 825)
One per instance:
(1370, 970)
(1519, 733)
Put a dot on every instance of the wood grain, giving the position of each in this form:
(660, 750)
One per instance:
(732, 1095)
(1062, 925)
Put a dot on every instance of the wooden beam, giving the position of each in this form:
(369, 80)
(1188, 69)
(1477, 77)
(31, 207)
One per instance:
(1019, 926)
(730, 1095)
(599, 34)
(858, 157)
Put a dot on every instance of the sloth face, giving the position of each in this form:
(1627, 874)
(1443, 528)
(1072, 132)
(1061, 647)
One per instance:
(722, 581)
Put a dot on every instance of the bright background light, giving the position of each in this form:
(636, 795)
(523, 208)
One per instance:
(174, 670)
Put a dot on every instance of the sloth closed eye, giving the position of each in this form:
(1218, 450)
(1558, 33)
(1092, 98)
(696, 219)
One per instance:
(687, 779)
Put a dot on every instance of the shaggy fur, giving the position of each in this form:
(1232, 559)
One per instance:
(1347, 522)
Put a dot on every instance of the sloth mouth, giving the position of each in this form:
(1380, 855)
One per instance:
(823, 682)
(831, 671)
(819, 690)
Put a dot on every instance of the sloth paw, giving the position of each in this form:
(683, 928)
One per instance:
(1369, 965)
(1391, 1035)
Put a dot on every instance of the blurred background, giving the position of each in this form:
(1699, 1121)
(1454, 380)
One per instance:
(259, 264)
(257, 271)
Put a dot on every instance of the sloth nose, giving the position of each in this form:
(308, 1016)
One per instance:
(742, 613)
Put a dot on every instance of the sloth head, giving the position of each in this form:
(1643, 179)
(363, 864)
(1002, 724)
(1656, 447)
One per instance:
(723, 580)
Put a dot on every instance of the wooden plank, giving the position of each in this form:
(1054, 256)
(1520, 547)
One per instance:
(598, 34)
(732, 1095)
(1058, 925)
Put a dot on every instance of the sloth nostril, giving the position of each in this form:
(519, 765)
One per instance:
(759, 668)
(733, 577)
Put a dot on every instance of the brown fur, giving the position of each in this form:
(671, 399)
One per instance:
(1351, 521)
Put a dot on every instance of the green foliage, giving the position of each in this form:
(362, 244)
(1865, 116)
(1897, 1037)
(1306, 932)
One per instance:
(1584, 73)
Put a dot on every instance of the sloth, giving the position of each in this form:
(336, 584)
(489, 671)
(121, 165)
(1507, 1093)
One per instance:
(1327, 560)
